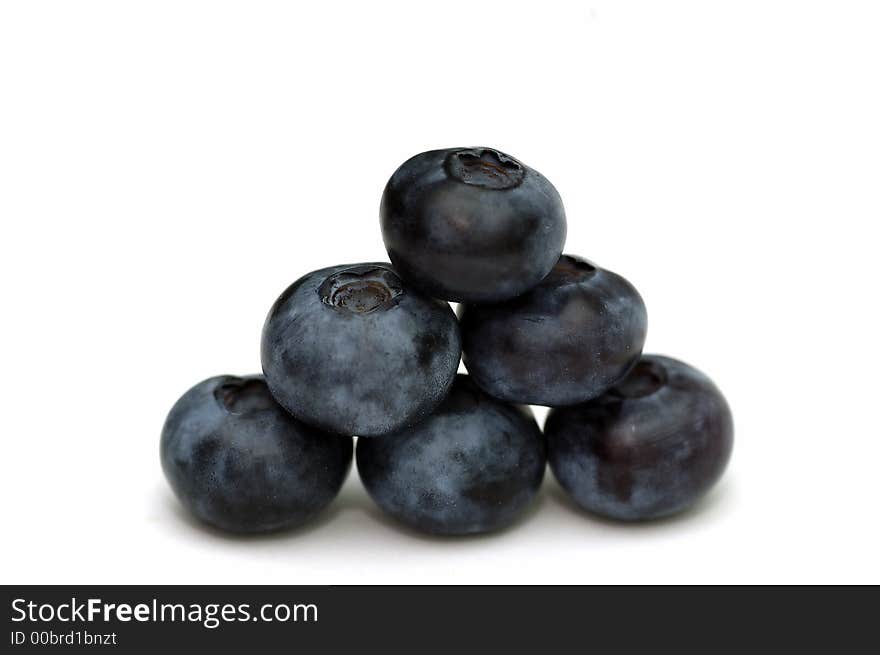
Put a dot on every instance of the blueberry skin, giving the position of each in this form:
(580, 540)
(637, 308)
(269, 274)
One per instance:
(238, 461)
(470, 467)
(471, 224)
(352, 350)
(567, 340)
(647, 448)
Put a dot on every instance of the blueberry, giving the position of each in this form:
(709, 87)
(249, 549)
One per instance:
(649, 447)
(565, 341)
(353, 350)
(471, 224)
(472, 466)
(238, 461)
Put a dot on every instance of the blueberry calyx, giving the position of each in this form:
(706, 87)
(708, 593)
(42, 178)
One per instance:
(570, 270)
(361, 289)
(244, 395)
(646, 378)
(485, 167)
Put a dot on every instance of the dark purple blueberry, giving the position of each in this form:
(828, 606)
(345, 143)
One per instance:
(353, 350)
(238, 461)
(471, 224)
(649, 447)
(472, 466)
(565, 341)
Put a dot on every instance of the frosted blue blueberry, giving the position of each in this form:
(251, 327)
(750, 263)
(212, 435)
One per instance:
(353, 350)
(472, 466)
(238, 461)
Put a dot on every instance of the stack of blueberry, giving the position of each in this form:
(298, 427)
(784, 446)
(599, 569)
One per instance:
(373, 350)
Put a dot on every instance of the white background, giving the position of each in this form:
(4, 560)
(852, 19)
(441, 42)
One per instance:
(168, 167)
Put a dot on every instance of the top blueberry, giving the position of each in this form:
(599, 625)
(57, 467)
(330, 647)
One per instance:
(471, 224)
